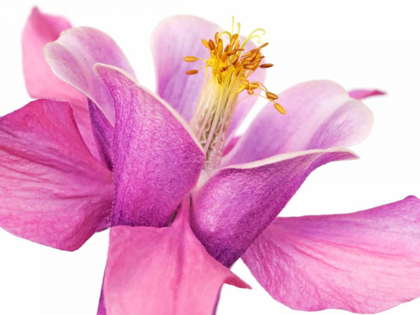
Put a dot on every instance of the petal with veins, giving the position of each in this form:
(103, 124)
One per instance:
(319, 115)
(363, 262)
(52, 190)
(157, 160)
(237, 203)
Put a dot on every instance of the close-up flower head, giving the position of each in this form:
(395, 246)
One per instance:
(185, 180)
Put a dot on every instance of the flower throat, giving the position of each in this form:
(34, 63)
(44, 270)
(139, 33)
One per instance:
(227, 71)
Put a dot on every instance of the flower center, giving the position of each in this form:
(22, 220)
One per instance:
(227, 71)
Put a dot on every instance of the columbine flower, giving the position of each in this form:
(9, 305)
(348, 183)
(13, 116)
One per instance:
(223, 193)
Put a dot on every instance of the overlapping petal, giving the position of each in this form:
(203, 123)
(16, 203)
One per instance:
(364, 262)
(162, 271)
(52, 190)
(320, 115)
(73, 55)
(41, 82)
(237, 203)
(157, 161)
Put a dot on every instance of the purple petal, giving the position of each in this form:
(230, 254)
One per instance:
(320, 115)
(172, 40)
(52, 190)
(157, 161)
(363, 262)
(238, 203)
(73, 55)
(41, 82)
(162, 271)
(363, 93)
(103, 132)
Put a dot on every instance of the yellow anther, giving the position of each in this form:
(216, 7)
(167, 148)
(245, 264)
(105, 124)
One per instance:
(190, 59)
(250, 92)
(266, 65)
(271, 96)
(254, 85)
(190, 72)
(279, 108)
(211, 45)
(205, 43)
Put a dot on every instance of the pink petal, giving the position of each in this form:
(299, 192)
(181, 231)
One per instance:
(157, 160)
(364, 262)
(363, 93)
(73, 55)
(238, 203)
(41, 82)
(176, 38)
(319, 115)
(162, 271)
(52, 190)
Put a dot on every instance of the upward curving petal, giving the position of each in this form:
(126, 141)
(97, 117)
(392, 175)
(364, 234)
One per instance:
(52, 190)
(41, 82)
(363, 262)
(364, 93)
(237, 203)
(172, 40)
(162, 271)
(319, 115)
(73, 55)
(157, 160)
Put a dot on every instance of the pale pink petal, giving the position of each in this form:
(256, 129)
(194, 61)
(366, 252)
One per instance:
(72, 56)
(172, 40)
(319, 115)
(162, 271)
(363, 262)
(176, 38)
(41, 82)
(237, 203)
(157, 160)
(363, 93)
(52, 190)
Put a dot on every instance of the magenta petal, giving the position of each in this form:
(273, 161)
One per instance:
(41, 82)
(103, 132)
(319, 115)
(364, 262)
(238, 203)
(363, 93)
(172, 40)
(157, 161)
(73, 55)
(162, 271)
(52, 190)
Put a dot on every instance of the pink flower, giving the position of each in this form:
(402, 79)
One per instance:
(136, 161)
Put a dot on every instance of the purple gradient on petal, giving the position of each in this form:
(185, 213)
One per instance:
(156, 159)
(363, 262)
(103, 132)
(238, 203)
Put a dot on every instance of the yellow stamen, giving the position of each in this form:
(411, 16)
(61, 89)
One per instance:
(190, 72)
(190, 59)
(279, 108)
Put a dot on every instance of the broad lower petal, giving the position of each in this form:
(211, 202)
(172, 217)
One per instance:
(52, 190)
(319, 115)
(363, 262)
(73, 55)
(157, 160)
(162, 271)
(237, 203)
(365, 93)
(41, 82)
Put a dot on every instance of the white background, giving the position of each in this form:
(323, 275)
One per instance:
(372, 44)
